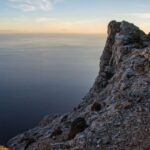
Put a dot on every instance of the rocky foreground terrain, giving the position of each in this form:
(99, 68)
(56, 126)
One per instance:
(115, 114)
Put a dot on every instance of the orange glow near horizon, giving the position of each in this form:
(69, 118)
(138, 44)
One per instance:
(53, 27)
(60, 27)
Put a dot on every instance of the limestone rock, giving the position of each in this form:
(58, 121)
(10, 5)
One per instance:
(122, 88)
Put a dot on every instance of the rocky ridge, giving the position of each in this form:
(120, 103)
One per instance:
(114, 115)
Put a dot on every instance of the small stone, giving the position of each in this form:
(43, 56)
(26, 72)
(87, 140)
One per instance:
(98, 141)
(106, 140)
(64, 118)
(98, 146)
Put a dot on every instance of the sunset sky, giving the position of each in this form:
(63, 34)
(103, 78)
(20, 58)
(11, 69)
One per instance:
(70, 16)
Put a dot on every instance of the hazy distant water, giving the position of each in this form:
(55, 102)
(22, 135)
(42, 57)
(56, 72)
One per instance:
(42, 74)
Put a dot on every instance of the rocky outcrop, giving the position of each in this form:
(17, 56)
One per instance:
(114, 115)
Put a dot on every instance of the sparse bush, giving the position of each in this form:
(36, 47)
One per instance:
(57, 132)
(77, 126)
(96, 106)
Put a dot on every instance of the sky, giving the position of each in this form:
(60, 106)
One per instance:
(71, 16)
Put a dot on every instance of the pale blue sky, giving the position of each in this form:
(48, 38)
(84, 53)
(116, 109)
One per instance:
(71, 15)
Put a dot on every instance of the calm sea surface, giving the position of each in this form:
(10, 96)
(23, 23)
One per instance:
(43, 74)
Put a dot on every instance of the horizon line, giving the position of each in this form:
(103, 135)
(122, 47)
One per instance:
(16, 32)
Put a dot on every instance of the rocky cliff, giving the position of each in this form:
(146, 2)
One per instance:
(114, 115)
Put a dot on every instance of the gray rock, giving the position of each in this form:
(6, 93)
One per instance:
(122, 88)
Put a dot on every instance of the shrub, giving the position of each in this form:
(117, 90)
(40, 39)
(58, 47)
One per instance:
(56, 132)
(77, 126)
(96, 106)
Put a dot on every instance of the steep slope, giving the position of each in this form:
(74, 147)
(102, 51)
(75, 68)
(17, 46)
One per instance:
(114, 115)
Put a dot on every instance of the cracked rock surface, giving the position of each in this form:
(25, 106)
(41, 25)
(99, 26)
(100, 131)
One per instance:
(115, 114)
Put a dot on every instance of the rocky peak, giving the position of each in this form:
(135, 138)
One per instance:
(115, 112)
(123, 37)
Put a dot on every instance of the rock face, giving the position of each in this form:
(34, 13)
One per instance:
(115, 114)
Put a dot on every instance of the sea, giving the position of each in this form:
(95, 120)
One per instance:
(44, 74)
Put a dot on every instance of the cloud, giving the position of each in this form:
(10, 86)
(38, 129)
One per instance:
(81, 22)
(20, 19)
(143, 15)
(136, 15)
(44, 19)
(33, 5)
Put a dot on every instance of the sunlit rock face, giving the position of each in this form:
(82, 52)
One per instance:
(114, 115)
